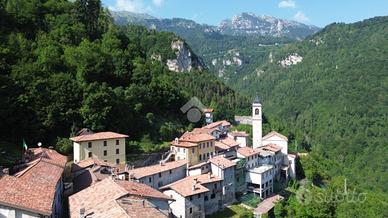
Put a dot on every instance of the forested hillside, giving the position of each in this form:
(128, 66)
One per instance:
(65, 66)
(334, 103)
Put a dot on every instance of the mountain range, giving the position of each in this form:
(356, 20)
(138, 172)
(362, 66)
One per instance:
(244, 24)
(232, 49)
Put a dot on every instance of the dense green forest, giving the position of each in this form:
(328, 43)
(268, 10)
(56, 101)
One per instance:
(333, 104)
(65, 66)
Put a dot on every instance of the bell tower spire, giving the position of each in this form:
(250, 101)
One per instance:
(257, 130)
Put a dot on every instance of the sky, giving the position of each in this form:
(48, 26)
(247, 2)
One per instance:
(314, 12)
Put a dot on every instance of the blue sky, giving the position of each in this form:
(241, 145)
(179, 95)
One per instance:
(316, 12)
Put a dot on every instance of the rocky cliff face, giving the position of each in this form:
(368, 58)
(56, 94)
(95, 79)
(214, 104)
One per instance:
(185, 60)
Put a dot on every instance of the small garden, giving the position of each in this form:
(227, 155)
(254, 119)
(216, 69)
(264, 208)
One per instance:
(250, 199)
(233, 211)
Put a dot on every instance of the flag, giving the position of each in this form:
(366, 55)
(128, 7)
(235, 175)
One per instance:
(25, 145)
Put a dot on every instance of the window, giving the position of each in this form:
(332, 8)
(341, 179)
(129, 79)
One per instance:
(90, 154)
(207, 144)
(199, 195)
(191, 198)
(212, 196)
(200, 157)
(117, 151)
(105, 143)
(191, 210)
(117, 161)
(184, 150)
(206, 198)
(193, 150)
(257, 111)
(105, 161)
(149, 179)
(215, 185)
(170, 171)
(89, 144)
(117, 142)
(105, 152)
(160, 175)
(207, 155)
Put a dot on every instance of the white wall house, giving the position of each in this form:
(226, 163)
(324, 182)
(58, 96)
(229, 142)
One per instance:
(260, 180)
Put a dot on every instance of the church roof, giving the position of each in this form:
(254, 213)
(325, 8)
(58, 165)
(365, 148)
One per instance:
(257, 100)
(274, 133)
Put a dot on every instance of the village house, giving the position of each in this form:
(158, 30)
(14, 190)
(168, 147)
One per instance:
(225, 169)
(160, 174)
(36, 190)
(226, 147)
(106, 146)
(118, 198)
(195, 196)
(240, 137)
(195, 148)
(223, 125)
(90, 171)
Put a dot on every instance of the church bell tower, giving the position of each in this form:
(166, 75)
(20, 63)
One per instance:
(257, 130)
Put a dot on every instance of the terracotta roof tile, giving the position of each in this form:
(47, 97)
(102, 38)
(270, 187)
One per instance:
(247, 151)
(216, 124)
(142, 190)
(203, 130)
(196, 137)
(33, 189)
(110, 198)
(98, 136)
(192, 185)
(272, 147)
(50, 155)
(88, 163)
(154, 169)
(238, 134)
(222, 162)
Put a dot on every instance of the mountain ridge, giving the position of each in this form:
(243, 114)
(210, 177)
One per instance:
(240, 24)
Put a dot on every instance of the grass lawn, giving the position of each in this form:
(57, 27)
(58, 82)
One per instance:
(234, 211)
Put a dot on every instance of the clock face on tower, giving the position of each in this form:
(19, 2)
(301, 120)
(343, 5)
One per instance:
(257, 111)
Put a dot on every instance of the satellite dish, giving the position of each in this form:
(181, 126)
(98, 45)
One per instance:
(39, 144)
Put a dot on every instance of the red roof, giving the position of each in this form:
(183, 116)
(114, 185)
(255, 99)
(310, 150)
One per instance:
(196, 137)
(222, 162)
(116, 198)
(218, 123)
(247, 151)
(272, 147)
(238, 134)
(50, 155)
(158, 168)
(98, 136)
(88, 162)
(32, 189)
(192, 185)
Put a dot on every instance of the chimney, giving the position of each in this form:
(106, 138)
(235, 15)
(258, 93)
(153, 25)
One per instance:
(143, 202)
(210, 175)
(82, 213)
(193, 188)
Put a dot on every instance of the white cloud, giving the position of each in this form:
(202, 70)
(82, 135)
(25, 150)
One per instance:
(157, 3)
(287, 4)
(136, 6)
(301, 17)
